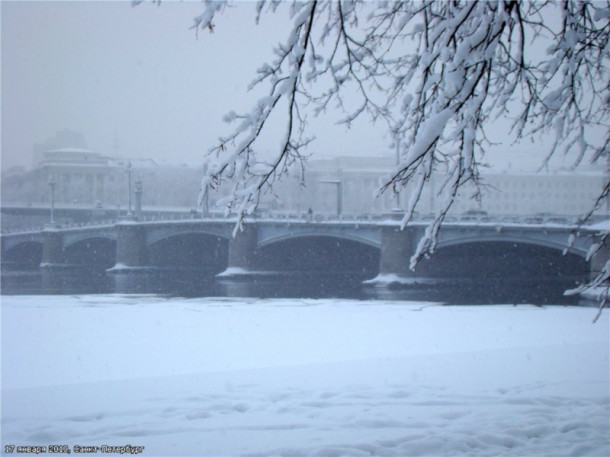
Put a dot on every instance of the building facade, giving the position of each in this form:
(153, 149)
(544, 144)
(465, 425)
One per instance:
(342, 185)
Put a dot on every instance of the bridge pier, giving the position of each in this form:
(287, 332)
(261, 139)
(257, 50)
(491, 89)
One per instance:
(396, 249)
(242, 249)
(131, 251)
(598, 261)
(52, 248)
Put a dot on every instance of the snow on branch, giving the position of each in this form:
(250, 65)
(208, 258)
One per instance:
(434, 73)
(239, 163)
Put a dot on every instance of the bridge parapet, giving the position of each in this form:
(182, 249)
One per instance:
(183, 215)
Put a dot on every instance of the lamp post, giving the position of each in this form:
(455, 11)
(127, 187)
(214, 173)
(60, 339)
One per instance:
(52, 186)
(397, 190)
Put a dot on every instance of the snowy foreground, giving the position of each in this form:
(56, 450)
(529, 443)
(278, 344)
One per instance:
(226, 377)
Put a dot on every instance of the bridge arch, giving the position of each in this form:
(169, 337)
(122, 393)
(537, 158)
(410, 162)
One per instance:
(488, 258)
(274, 233)
(553, 240)
(188, 249)
(71, 239)
(155, 235)
(24, 254)
(331, 252)
(91, 251)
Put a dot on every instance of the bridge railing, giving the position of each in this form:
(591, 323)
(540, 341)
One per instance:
(22, 231)
(319, 217)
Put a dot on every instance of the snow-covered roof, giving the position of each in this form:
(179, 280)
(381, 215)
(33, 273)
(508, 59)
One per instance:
(70, 150)
(151, 163)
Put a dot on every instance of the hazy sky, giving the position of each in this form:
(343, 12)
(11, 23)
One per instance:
(106, 68)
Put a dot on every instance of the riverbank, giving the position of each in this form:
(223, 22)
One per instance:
(229, 376)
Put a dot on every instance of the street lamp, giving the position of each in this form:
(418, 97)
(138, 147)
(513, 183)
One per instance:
(396, 189)
(52, 186)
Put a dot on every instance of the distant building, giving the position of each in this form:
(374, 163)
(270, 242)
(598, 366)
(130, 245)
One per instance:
(79, 174)
(357, 182)
(83, 177)
(66, 138)
(346, 185)
(558, 192)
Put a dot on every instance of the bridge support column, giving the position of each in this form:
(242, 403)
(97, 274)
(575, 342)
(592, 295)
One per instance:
(241, 252)
(131, 252)
(396, 249)
(138, 195)
(598, 261)
(52, 249)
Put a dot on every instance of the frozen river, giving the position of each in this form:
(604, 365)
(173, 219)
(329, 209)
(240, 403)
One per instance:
(299, 377)
(193, 283)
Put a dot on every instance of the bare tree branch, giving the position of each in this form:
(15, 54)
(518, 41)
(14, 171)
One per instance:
(435, 73)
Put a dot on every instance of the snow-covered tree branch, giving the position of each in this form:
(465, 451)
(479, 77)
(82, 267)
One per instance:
(435, 74)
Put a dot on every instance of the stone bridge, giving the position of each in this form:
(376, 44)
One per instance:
(372, 247)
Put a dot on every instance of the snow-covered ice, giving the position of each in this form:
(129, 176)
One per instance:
(225, 377)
